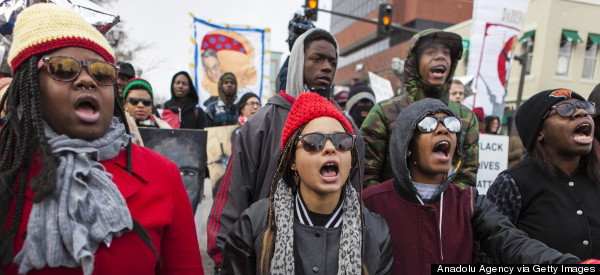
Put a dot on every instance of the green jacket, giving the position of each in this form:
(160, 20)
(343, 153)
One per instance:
(377, 127)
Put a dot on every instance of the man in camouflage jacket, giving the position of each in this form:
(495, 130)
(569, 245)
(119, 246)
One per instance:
(377, 127)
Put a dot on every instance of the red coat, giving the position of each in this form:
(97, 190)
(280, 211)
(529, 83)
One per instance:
(157, 199)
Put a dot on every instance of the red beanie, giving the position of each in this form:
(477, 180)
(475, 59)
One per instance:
(479, 112)
(307, 107)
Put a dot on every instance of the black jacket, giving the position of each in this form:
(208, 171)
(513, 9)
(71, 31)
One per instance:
(244, 242)
(252, 167)
(559, 210)
(191, 116)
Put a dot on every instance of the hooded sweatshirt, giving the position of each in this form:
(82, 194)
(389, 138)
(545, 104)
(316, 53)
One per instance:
(443, 230)
(377, 126)
(190, 116)
(223, 111)
(253, 163)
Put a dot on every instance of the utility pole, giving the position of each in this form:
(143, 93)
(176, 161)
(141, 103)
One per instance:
(523, 59)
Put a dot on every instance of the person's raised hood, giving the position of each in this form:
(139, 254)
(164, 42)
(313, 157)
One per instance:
(412, 80)
(192, 95)
(402, 134)
(295, 77)
(222, 96)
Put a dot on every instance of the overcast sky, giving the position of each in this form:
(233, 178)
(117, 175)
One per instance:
(166, 25)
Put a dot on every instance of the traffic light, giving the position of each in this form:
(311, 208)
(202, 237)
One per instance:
(310, 10)
(384, 23)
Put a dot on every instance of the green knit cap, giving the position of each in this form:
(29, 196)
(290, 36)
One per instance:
(137, 82)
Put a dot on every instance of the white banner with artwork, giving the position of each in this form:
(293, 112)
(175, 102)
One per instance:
(493, 159)
(242, 50)
(494, 34)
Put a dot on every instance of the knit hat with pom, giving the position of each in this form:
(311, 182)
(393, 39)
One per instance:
(44, 27)
(307, 107)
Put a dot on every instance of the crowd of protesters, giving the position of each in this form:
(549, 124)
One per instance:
(318, 182)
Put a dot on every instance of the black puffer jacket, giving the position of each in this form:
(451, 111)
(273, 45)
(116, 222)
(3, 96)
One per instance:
(243, 246)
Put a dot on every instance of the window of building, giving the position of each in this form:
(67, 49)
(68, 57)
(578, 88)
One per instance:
(567, 40)
(527, 47)
(591, 55)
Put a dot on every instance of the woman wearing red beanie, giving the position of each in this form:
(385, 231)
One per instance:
(314, 220)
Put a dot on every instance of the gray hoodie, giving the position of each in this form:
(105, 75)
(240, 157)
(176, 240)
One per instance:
(295, 77)
(402, 134)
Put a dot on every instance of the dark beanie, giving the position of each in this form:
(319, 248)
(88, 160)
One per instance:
(530, 113)
(243, 100)
(358, 92)
(126, 69)
(595, 97)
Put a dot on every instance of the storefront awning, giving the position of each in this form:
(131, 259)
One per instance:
(571, 36)
(595, 38)
(526, 35)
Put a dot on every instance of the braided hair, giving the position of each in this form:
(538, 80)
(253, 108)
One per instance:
(284, 167)
(23, 143)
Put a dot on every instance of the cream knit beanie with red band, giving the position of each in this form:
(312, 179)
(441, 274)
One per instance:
(307, 107)
(44, 27)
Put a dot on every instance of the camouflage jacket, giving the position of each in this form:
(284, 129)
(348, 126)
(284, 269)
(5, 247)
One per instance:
(377, 127)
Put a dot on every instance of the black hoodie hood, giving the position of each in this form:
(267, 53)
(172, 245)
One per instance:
(192, 96)
(402, 134)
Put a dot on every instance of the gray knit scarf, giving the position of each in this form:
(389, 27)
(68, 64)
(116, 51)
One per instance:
(349, 256)
(86, 208)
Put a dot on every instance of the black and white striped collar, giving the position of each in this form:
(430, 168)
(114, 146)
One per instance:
(303, 216)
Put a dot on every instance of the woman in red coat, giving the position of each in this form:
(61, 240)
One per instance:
(81, 198)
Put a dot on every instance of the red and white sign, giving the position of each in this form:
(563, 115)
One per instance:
(494, 34)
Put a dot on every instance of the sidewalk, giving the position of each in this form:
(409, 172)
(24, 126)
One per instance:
(200, 218)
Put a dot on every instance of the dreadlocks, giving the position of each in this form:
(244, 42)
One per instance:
(23, 142)
(284, 167)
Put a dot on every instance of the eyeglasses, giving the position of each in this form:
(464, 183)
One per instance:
(567, 109)
(315, 142)
(253, 104)
(134, 101)
(62, 68)
(428, 124)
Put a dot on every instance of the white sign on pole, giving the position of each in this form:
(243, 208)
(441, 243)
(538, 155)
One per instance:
(381, 87)
(493, 159)
(494, 34)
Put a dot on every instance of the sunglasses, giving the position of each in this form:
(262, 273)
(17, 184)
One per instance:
(315, 142)
(134, 101)
(567, 109)
(62, 68)
(428, 124)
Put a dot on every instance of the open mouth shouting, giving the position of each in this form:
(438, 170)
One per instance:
(330, 171)
(583, 133)
(438, 71)
(441, 151)
(87, 108)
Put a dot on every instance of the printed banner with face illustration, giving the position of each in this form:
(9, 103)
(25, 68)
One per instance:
(244, 51)
(495, 30)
